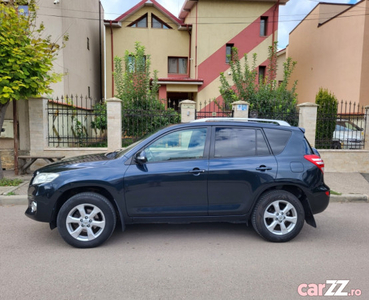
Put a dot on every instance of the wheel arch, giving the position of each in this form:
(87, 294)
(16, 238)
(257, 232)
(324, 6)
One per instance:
(78, 190)
(296, 191)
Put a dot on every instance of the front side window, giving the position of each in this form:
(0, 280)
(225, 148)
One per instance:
(177, 65)
(178, 145)
(239, 142)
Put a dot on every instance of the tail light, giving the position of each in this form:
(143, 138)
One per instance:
(316, 160)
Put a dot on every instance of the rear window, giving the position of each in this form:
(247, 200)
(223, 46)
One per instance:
(277, 139)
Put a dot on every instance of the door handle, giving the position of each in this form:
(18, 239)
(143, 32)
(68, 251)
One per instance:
(196, 171)
(263, 168)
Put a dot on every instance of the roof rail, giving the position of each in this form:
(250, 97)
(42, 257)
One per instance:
(271, 121)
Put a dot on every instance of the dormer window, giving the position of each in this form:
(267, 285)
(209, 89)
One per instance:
(140, 23)
(157, 23)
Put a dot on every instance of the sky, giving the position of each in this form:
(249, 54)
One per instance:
(289, 15)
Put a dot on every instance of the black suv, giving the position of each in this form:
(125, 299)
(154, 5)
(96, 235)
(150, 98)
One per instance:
(210, 171)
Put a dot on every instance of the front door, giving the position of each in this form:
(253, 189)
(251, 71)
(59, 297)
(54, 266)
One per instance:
(173, 181)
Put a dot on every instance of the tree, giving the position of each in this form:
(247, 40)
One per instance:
(25, 57)
(143, 111)
(326, 123)
(265, 96)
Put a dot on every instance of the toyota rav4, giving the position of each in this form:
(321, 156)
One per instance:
(255, 173)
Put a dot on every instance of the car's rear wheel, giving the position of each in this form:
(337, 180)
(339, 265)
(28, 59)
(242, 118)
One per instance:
(278, 216)
(86, 220)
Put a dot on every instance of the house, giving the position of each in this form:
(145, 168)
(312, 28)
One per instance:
(79, 61)
(190, 51)
(331, 47)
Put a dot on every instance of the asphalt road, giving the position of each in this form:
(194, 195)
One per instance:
(196, 261)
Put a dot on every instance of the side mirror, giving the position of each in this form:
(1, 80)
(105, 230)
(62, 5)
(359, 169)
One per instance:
(141, 158)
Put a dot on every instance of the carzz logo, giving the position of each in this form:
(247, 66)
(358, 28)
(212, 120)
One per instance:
(329, 288)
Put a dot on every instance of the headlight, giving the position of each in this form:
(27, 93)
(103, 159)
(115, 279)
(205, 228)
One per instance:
(45, 178)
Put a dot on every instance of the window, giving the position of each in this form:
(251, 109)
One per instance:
(262, 71)
(277, 139)
(177, 65)
(136, 66)
(239, 142)
(263, 26)
(140, 23)
(157, 23)
(88, 44)
(229, 53)
(178, 145)
(89, 92)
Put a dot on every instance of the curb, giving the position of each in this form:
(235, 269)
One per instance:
(349, 198)
(14, 188)
(14, 200)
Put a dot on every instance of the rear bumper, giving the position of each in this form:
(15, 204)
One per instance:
(319, 199)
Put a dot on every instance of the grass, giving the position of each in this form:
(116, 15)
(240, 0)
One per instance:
(335, 193)
(10, 194)
(10, 182)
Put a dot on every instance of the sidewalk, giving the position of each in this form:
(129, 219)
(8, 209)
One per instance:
(353, 187)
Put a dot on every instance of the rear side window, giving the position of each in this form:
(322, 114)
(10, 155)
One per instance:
(277, 139)
(239, 142)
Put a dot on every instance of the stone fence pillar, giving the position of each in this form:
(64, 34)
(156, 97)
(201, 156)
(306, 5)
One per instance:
(188, 110)
(240, 109)
(114, 115)
(38, 125)
(307, 120)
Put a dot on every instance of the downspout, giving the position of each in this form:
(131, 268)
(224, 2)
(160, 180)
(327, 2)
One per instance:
(196, 70)
(189, 53)
(112, 58)
(100, 54)
(273, 35)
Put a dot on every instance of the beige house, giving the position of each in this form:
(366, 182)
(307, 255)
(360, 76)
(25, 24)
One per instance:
(190, 51)
(331, 47)
(79, 61)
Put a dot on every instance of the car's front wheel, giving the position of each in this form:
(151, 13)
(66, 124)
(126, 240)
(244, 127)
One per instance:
(278, 216)
(86, 220)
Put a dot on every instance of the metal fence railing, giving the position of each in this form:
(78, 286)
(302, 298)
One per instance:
(140, 118)
(76, 121)
(213, 109)
(341, 128)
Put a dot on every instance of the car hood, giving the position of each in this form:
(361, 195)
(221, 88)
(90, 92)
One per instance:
(77, 162)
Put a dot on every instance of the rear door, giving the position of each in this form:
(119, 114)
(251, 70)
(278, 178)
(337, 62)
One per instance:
(240, 163)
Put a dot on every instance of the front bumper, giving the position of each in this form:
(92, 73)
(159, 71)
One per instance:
(41, 202)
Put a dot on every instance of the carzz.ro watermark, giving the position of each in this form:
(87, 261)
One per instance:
(329, 288)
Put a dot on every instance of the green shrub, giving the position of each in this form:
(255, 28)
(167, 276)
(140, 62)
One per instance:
(326, 121)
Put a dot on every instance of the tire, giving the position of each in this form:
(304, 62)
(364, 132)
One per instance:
(86, 220)
(278, 216)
